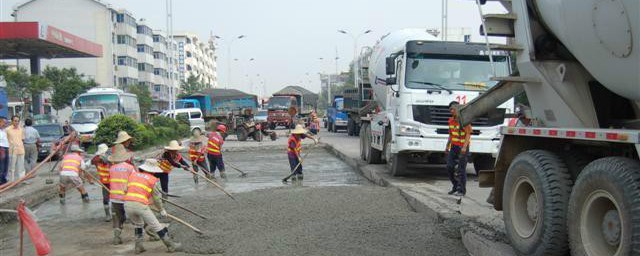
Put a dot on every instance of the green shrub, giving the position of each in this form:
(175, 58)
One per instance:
(108, 130)
(162, 121)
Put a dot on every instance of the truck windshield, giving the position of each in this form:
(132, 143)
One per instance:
(85, 117)
(424, 72)
(339, 104)
(279, 103)
(110, 102)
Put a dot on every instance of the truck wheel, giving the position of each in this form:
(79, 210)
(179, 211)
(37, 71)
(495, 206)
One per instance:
(364, 144)
(257, 136)
(242, 134)
(535, 198)
(398, 164)
(350, 127)
(576, 161)
(604, 206)
(272, 126)
(374, 156)
(483, 162)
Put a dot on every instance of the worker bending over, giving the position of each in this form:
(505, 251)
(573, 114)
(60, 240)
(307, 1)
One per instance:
(71, 173)
(170, 159)
(142, 188)
(294, 150)
(214, 149)
(197, 155)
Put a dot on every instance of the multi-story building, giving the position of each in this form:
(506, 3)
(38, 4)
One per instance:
(197, 58)
(133, 52)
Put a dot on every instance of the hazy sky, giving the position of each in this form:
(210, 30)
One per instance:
(286, 37)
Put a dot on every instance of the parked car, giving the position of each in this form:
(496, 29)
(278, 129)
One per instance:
(194, 115)
(50, 134)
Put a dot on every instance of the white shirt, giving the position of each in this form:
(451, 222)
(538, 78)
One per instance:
(4, 142)
(31, 135)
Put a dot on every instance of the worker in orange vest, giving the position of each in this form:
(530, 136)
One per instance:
(294, 149)
(102, 168)
(71, 174)
(170, 159)
(457, 152)
(214, 150)
(197, 155)
(118, 175)
(125, 140)
(143, 189)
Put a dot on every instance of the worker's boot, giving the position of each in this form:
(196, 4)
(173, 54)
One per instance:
(139, 240)
(116, 236)
(170, 244)
(300, 176)
(195, 179)
(62, 199)
(107, 213)
(85, 198)
(223, 174)
(153, 236)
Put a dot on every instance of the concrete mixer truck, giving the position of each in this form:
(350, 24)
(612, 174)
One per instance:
(569, 180)
(414, 76)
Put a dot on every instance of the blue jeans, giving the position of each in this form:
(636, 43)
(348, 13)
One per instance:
(457, 174)
(293, 162)
(215, 161)
(4, 164)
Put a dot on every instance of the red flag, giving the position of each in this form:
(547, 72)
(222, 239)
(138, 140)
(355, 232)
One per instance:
(38, 238)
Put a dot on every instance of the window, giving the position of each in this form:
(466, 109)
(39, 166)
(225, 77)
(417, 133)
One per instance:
(189, 67)
(157, 88)
(189, 54)
(127, 61)
(188, 40)
(120, 18)
(122, 60)
(182, 116)
(141, 48)
(195, 115)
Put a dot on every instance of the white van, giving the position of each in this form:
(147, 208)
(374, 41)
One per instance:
(193, 114)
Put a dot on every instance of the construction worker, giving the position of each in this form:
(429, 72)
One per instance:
(294, 149)
(314, 124)
(71, 173)
(214, 149)
(125, 139)
(143, 186)
(170, 159)
(197, 155)
(102, 168)
(118, 175)
(457, 152)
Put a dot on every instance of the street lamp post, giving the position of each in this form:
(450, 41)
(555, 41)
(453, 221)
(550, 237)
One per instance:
(172, 77)
(356, 74)
(229, 57)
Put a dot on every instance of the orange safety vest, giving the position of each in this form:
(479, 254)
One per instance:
(298, 145)
(140, 187)
(103, 170)
(166, 166)
(215, 143)
(196, 155)
(457, 135)
(118, 177)
(72, 162)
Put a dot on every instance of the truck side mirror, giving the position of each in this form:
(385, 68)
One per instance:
(391, 80)
(390, 65)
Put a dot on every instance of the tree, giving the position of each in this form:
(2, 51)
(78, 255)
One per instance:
(67, 84)
(144, 97)
(191, 86)
(21, 84)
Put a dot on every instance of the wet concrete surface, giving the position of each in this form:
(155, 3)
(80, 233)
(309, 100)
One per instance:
(334, 211)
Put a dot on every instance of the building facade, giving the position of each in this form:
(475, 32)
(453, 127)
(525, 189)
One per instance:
(134, 53)
(197, 58)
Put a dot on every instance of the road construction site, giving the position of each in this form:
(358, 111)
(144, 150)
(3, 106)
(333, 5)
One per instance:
(342, 207)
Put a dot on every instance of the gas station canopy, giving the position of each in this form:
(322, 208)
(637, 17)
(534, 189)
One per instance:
(25, 40)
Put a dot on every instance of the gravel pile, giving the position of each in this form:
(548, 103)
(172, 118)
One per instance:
(359, 220)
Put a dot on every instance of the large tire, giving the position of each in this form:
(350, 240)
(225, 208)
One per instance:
(272, 126)
(536, 195)
(575, 161)
(242, 134)
(604, 208)
(351, 127)
(483, 162)
(398, 164)
(257, 136)
(364, 144)
(374, 156)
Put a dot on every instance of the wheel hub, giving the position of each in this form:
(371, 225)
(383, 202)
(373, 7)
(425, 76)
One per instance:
(611, 228)
(532, 207)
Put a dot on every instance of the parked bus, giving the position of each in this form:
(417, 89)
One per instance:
(114, 101)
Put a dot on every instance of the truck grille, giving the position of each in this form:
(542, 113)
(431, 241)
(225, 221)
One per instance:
(439, 115)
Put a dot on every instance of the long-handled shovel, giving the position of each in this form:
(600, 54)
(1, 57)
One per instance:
(210, 181)
(293, 172)
(185, 209)
(242, 174)
(180, 221)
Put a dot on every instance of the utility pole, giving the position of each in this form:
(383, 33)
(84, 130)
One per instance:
(172, 76)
